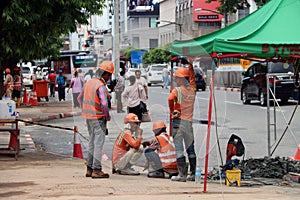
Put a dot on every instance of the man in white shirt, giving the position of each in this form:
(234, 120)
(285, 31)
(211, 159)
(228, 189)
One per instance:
(142, 81)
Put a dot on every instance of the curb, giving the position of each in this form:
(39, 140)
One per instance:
(51, 117)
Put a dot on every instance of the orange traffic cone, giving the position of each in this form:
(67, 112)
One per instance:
(33, 98)
(297, 154)
(77, 151)
(25, 97)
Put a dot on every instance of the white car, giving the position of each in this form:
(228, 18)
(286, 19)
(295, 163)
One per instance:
(154, 74)
(131, 72)
(28, 74)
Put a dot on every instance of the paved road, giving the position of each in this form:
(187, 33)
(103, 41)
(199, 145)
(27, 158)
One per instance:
(230, 115)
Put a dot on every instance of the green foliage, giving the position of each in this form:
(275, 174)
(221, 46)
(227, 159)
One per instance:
(158, 55)
(231, 6)
(32, 29)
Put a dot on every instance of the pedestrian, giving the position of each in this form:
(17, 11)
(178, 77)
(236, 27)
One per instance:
(165, 76)
(160, 153)
(132, 96)
(8, 83)
(181, 105)
(96, 112)
(17, 86)
(61, 84)
(52, 80)
(89, 75)
(142, 81)
(128, 146)
(77, 87)
(119, 89)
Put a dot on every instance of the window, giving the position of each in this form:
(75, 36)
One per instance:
(152, 22)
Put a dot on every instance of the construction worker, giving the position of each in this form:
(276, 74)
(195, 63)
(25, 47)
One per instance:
(128, 146)
(38, 73)
(161, 154)
(17, 88)
(96, 112)
(181, 105)
(8, 83)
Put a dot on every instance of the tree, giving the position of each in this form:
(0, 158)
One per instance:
(158, 55)
(32, 29)
(231, 6)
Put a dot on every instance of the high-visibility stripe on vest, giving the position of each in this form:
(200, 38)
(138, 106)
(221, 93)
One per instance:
(91, 105)
(167, 152)
(17, 82)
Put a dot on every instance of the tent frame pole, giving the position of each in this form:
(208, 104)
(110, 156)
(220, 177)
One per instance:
(211, 91)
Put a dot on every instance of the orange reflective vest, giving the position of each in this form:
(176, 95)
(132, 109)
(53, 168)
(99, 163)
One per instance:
(91, 105)
(167, 152)
(17, 82)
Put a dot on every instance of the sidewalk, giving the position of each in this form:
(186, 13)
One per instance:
(41, 175)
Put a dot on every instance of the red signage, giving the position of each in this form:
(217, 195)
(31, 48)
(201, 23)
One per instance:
(206, 12)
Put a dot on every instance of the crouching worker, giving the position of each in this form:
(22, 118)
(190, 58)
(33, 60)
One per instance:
(127, 148)
(161, 153)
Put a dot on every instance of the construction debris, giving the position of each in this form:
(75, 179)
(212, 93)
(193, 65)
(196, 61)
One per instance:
(268, 167)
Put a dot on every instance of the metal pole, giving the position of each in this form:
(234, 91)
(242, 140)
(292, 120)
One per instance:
(268, 114)
(116, 38)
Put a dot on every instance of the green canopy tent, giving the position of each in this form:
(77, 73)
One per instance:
(271, 32)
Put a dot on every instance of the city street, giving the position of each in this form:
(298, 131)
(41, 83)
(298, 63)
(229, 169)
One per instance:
(231, 116)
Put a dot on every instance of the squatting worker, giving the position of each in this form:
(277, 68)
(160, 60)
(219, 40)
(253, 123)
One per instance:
(128, 146)
(95, 110)
(181, 104)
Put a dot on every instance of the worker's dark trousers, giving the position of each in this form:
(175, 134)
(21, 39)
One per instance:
(153, 159)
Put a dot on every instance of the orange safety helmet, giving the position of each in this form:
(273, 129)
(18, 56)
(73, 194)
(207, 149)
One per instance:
(158, 125)
(131, 118)
(182, 72)
(107, 66)
(7, 71)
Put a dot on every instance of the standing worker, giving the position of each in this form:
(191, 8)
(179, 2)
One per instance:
(161, 153)
(128, 146)
(8, 83)
(96, 112)
(17, 88)
(52, 80)
(181, 104)
(39, 73)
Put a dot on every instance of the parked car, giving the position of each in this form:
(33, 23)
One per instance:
(28, 74)
(154, 74)
(131, 72)
(254, 83)
(200, 81)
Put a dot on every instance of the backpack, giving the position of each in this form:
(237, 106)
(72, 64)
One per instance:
(235, 147)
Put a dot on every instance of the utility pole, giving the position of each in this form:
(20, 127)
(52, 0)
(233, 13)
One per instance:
(116, 38)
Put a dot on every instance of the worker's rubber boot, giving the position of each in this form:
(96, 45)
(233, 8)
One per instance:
(182, 170)
(191, 177)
